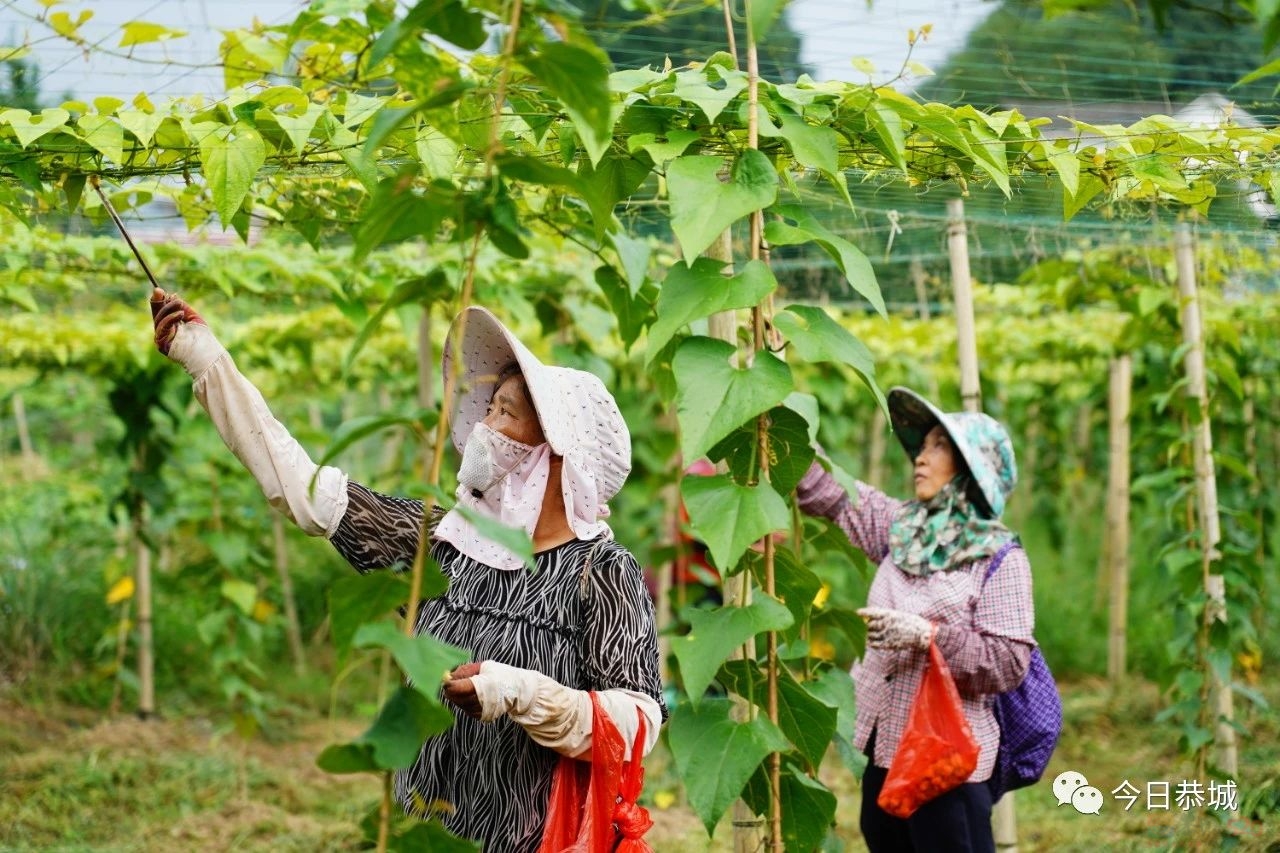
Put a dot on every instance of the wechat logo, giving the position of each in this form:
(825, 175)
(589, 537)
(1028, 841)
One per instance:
(1071, 787)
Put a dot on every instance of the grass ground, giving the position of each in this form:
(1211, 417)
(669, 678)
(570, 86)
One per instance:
(73, 781)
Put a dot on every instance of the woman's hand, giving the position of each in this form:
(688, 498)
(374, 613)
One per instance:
(896, 629)
(461, 691)
(168, 312)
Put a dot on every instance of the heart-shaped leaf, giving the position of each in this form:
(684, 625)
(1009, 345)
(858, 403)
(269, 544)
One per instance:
(716, 755)
(809, 811)
(803, 227)
(817, 338)
(692, 292)
(357, 599)
(395, 738)
(28, 128)
(808, 721)
(714, 398)
(230, 156)
(729, 517)
(715, 634)
(790, 450)
(106, 136)
(702, 205)
(795, 584)
(424, 659)
(579, 78)
(141, 124)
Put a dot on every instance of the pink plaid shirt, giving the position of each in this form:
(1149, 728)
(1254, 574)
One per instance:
(985, 633)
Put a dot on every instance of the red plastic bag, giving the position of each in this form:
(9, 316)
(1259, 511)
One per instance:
(593, 805)
(937, 752)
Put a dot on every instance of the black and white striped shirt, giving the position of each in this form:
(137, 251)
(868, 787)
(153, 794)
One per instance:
(595, 635)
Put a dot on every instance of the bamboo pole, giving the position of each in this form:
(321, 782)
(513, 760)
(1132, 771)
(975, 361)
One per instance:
(748, 828)
(962, 291)
(1220, 698)
(1004, 815)
(293, 629)
(922, 294)
(24, 433)
(1120, 391)
(146, 651)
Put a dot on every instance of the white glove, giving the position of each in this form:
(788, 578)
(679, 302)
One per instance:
(896, 629)
(556, 716)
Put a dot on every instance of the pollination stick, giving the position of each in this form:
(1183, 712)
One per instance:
(115, 217)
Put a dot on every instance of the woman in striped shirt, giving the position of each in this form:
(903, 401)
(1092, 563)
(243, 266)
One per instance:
(933, 553)
(543, 449)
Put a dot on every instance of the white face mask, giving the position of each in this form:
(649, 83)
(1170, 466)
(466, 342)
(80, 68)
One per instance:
(488, 457)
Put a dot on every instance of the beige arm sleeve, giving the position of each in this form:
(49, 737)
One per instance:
(559, 717)
(276, 460)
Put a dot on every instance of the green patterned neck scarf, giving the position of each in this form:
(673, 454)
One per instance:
(943, 533)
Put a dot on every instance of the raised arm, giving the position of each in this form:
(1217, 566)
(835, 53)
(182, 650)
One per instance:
(865, 521)
(283, 469)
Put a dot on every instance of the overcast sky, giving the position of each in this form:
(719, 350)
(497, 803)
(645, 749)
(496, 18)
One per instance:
(834, 33)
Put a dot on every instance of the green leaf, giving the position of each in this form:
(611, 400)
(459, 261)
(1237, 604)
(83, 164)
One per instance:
(818, 338)
(835, 687)
(729, 517)
(887, 125)
(1073, 203)
(429, 835)
(634, 254)
(298, 126)
(1065, 161)
(795, 584)
(515, 540)
(143, 125)
(702, 206)
(362, 427)
(807, 721)
(105, 135)
(716, 634)
(763, 15)
(790, 450)
(814, 146)
(1269, 70)
(846, 621)
(240, 593)
(716, 755)
(358, 599)
(230, 157)
(397, 212)
(451, 21)
(424, 290)
(632, 312)
(697, 88)
(28, 128)
(804, 228)
(394, 740)
(809, 809)
(663, 152)
(714, 398)
(141, 32)
(692, 292)
(579, 79)
(424, 659)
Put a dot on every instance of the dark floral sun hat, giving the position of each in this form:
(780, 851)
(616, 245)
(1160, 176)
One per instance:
(980, 440)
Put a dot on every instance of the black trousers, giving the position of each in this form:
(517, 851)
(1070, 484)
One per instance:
(959, 821)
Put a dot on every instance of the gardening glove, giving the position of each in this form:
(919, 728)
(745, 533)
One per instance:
(555, 716)
(284, 471)
(896, 629)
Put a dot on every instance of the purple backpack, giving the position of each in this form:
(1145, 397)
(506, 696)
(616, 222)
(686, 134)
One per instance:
(1029, 716)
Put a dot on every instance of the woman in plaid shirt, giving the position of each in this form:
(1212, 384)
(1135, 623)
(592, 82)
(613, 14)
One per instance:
(933, 553)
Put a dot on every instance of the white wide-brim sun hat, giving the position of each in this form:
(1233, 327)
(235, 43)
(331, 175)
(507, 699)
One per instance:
(578, 415)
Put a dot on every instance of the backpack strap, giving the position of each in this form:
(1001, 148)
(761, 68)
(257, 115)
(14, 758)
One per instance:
(998, 558)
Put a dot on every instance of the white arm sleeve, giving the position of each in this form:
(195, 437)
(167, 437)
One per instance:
(262, 444)
(559, 717)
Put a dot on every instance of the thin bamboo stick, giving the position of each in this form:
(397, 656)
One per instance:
(962, 290)
(1121, 387)
(1220, 698)
(146, 651)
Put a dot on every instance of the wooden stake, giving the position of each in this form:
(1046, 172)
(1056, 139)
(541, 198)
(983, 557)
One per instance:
(962, 290)
(426, 377)
(292, 628)
(142, 593)
(1118, 512)
(1220, 699)
(24, 433)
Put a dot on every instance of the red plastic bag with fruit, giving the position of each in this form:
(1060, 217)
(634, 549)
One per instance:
(937, 751)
